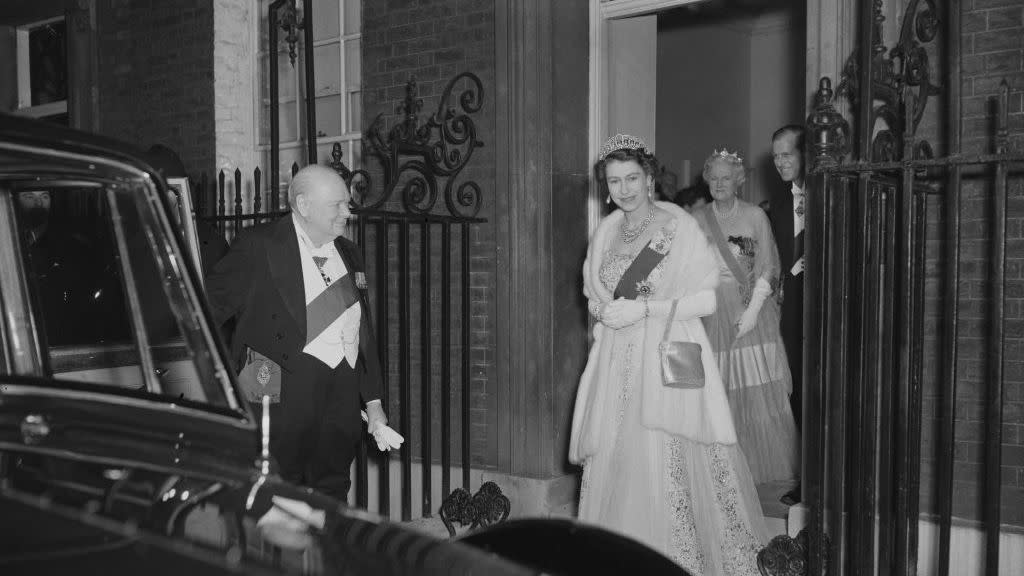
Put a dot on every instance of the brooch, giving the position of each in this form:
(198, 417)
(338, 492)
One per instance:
(263, 374)
(361, 280)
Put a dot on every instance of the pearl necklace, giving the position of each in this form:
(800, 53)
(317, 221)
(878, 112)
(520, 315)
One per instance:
(725, 216)
(630, 234)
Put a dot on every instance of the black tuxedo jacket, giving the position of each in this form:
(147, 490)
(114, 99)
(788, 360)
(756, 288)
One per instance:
(258, 283)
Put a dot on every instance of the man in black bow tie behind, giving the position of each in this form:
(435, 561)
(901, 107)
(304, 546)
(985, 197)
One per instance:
(302, 336)
(788, 220)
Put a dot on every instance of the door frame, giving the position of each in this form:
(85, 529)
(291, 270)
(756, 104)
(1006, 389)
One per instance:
(830, 39)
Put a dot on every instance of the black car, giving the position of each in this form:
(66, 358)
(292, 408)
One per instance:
(125, 446)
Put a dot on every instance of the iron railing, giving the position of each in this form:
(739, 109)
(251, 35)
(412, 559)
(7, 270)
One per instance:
(865, 306)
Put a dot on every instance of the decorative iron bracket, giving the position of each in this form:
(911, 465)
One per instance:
(905, 67)
(488, 506)
(439, 149)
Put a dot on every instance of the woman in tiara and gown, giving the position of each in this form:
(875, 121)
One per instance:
(744, 330)
(660, 464)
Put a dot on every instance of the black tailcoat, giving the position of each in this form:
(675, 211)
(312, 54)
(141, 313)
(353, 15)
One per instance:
(316, 426)
(792, 290)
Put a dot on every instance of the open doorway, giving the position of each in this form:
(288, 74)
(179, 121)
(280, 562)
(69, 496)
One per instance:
(728, 75)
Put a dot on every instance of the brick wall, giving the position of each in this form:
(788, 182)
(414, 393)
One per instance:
(992, 32)
(156, 76)
(434, 40)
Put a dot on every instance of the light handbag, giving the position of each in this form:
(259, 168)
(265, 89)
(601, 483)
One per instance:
(681, 364)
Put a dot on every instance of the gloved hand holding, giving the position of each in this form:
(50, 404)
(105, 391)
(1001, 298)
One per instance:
(377, 425)
(622, 312)
(748, 320)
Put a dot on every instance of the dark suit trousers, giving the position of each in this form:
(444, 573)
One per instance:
(316, 428)
(793, 339)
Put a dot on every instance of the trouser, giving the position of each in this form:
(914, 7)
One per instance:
(315, 428)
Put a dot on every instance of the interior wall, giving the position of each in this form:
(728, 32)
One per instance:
(702, 102)
(727, 82)
(632, 74)
(776, 99)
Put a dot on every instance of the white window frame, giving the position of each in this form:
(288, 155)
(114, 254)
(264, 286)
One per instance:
(349, 138)
(25, 107)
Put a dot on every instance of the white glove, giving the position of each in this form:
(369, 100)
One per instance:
(798, 267)
(384, 435)
(748, 319)
(288, 523)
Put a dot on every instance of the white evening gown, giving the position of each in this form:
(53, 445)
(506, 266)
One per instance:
(695, 503)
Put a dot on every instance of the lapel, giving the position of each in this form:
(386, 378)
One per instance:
(286, 270)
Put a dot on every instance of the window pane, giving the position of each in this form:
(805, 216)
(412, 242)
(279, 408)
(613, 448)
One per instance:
(181, 354)
(355, 111)
(353, 65)
(353, 16)
(72, 263)
(286, 75)
(289, 130)
(328, 116)
(264, 83)
(264, 39)
(325, 19)
(264, 127)
(48, 64)
(327, 69)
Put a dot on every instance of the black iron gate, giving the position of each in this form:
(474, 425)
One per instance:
(865, 309)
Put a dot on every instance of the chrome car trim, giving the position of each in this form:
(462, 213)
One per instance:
(131, 289)
(18, 388)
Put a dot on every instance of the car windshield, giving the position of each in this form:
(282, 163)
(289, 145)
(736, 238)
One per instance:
(107, 287)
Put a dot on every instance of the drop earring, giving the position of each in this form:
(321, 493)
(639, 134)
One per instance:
(608, 199)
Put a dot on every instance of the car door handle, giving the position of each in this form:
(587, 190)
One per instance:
(34, 429)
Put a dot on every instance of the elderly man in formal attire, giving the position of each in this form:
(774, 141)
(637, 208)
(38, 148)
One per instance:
(787, 216)
(302, 333)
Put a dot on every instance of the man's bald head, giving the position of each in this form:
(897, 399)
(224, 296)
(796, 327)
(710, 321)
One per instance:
(320, 198)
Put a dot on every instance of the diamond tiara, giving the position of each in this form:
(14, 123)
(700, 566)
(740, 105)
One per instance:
(731, 157)
(621, 142)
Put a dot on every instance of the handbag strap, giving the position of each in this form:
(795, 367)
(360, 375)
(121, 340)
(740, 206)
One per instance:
(671, 317)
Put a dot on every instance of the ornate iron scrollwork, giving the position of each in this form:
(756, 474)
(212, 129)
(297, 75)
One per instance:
(488, 506)
(905, 67)
(440, 148)
(785, 556)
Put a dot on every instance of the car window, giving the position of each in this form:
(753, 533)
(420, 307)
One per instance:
(73, 277)
(109, 291)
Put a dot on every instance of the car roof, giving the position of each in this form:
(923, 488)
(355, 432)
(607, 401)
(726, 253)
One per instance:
(40, 134)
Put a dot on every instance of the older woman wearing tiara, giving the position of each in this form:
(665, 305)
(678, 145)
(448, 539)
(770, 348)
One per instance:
(744, 330)
(652, 429)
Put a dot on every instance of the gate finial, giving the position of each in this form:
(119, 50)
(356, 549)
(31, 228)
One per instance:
(828, 129)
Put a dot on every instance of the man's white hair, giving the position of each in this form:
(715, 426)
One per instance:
(306, 177)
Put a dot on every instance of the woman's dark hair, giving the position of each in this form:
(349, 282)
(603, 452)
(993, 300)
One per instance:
(641, 156)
